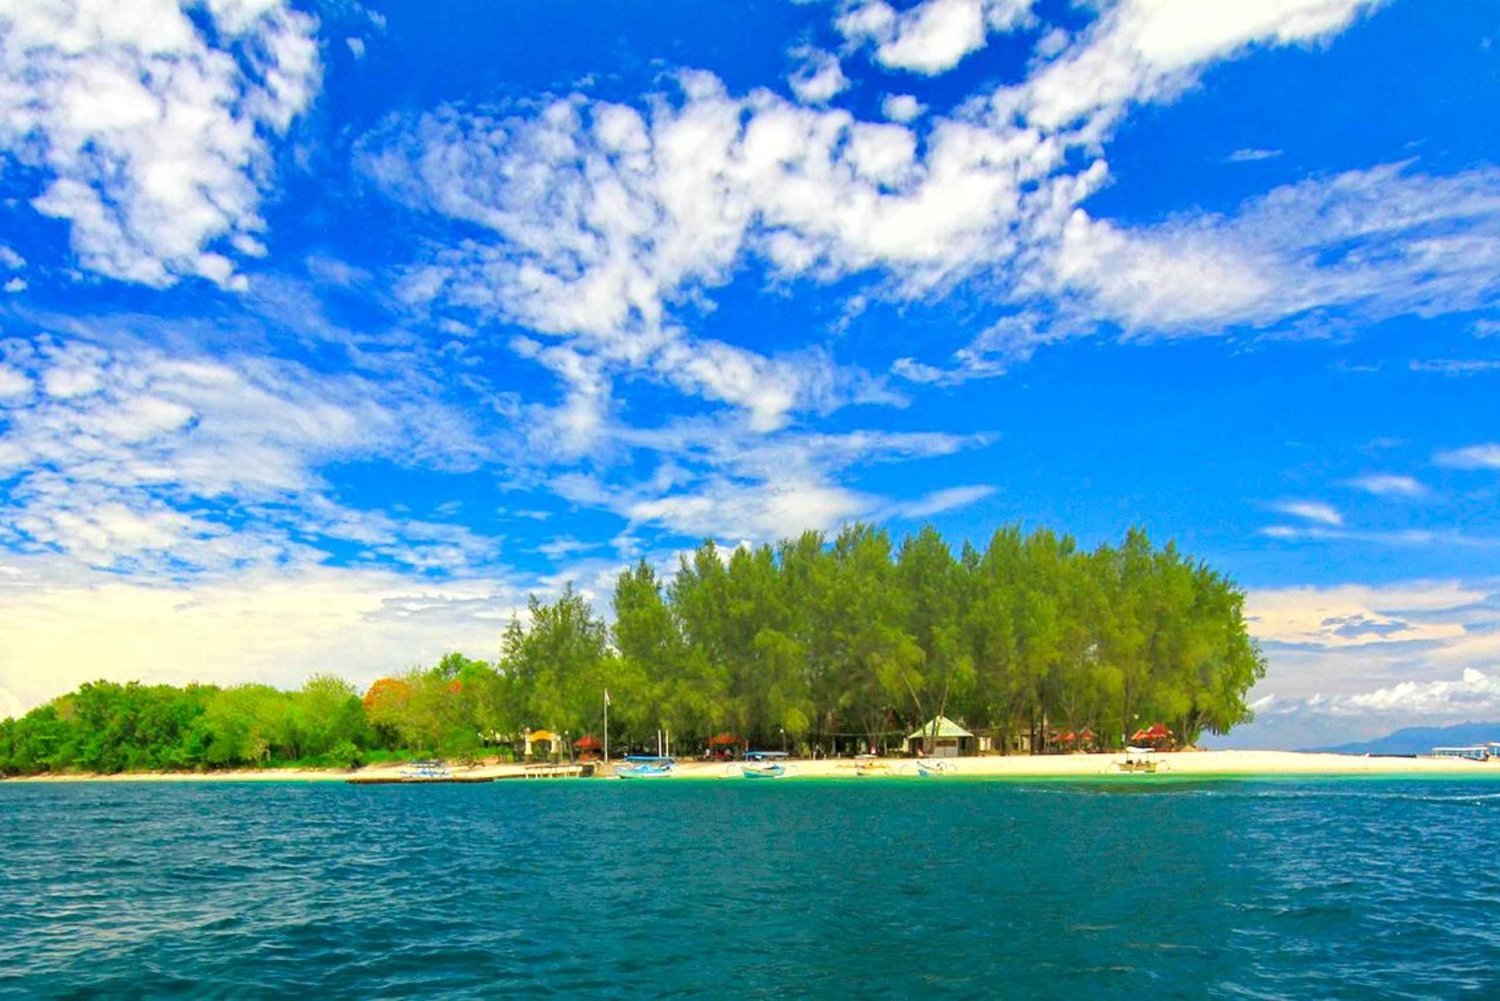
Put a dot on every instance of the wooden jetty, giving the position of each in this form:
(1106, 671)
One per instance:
(548, 770)
(398, 780)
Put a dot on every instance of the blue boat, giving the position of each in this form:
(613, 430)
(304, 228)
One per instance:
(646, 766)
(765, 765)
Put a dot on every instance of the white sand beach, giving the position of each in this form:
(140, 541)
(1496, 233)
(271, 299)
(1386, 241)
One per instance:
(1202, 764)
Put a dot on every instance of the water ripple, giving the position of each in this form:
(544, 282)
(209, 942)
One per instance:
(1231, 890)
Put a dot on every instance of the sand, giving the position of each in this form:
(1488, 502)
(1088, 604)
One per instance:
(1194, 763)
(1228, 764)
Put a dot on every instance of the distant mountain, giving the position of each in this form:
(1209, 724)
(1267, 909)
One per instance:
(1422, 739)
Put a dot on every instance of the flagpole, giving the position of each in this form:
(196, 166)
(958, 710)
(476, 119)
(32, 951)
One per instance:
(606, 726)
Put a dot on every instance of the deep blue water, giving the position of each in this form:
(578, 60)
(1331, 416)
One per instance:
(1154, 889)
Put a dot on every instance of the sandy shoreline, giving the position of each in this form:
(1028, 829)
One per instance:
(1201, 764)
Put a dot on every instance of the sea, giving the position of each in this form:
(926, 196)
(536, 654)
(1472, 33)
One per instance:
(1137, 887)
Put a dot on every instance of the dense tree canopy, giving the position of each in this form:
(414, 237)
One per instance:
(813, 642)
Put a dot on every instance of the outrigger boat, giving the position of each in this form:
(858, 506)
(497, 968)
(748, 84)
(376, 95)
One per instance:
(865, 764)
(427, 771)
(646, 766)
(765, 765)
(932, 769)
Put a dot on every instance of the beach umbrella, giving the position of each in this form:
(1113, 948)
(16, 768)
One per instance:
(588, 742)
(1066, 738)
(724, 740)
(1155, 731)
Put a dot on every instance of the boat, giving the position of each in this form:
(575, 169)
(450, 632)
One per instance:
(426, 771)
(933, 769)
(646, 766)
(763, 770)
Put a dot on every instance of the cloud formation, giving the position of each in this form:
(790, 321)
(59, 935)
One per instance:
(129, 458)
(933, 36)
(150, 134)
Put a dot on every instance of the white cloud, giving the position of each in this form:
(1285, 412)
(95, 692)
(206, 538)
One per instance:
(1252, 155)
(1389, 485)
(902, 108)
(1344, 659)
(933, 36)
(266, 625)
(1152, 50)
(940, 501)
(1382, 242)
(715, 479)
(1315, 511)
(605, 218)
(1455, 366)
(151, 135)
(819, 78)
(1485, 456)
(14, 386)
(133, 459)
(15, 285)
(1355, 615)
(605, 223)
(1474, 692)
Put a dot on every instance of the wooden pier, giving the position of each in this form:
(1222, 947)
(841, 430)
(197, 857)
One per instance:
(398, 780)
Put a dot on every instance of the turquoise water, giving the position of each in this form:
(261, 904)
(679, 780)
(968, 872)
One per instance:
(757, 889)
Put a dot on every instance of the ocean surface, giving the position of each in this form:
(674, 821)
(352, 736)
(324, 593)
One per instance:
(1134, 888)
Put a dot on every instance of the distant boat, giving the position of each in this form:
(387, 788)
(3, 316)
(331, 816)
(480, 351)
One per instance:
(646, 766)
(762, 765)
(426, 771)
(933, 769)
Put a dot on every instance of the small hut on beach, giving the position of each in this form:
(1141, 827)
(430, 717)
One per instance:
(588, 747)
(950, 741)
(1157, 736)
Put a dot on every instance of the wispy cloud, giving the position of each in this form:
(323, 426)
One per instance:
(940, 501)
(148, 132)
(1486, 456)
(1314, 511)
(1252, 155)
(1388, 485)
(127, 457)
(1455, 366)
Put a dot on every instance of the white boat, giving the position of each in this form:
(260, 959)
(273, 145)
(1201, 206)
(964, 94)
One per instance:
(646, 766)
(765, 765)
(426, 771)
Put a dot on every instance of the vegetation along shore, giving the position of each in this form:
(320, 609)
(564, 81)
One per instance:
(820, 646)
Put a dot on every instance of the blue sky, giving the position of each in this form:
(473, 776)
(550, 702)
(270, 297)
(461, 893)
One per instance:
(331, 330)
